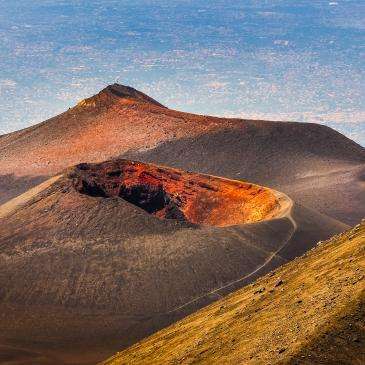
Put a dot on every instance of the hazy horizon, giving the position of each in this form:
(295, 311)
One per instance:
(250, 59)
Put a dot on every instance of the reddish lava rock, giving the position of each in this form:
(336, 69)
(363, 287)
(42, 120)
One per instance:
(174, 194)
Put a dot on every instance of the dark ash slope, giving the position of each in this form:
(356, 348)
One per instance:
(313, 164)
(80, 272)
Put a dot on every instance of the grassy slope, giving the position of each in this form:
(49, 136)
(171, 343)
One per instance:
(309, 311)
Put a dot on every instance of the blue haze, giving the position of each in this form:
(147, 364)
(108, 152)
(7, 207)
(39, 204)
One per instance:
(279, 59)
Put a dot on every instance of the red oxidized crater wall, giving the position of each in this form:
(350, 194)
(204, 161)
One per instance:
(174, 194)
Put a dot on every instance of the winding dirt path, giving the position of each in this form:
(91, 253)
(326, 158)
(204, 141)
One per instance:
(285, 211)
(10, 206)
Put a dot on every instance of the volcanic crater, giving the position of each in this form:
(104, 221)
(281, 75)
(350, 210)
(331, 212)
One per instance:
(170, 193)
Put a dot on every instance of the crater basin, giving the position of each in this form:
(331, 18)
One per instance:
(170, 193)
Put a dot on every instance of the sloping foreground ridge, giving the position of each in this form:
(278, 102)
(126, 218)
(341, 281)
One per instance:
(310, 311)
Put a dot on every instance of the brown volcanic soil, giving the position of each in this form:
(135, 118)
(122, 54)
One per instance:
(315, 165)
(310, 311)
(175, 194)
(114, 121)
(83, 275)
(80, 270)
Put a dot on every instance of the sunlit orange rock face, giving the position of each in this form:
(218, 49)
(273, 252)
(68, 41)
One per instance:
(116, 120)
(175, 194)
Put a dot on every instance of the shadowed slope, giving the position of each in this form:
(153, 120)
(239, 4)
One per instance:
(309, 162)
(310, 311)
(315, 165)
(95, 272)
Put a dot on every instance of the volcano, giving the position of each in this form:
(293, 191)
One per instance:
(121, 216)
(313, 164)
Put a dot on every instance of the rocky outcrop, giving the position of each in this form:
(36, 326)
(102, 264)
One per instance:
(174, 194)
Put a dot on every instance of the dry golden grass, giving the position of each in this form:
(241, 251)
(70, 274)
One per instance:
(310, 311)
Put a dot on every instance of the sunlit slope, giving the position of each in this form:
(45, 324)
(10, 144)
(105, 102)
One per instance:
(313, 164)
(310, 311)
(116, 120)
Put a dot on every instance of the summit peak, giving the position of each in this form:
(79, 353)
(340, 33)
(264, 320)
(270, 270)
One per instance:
(116, 91)
(128, 92)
